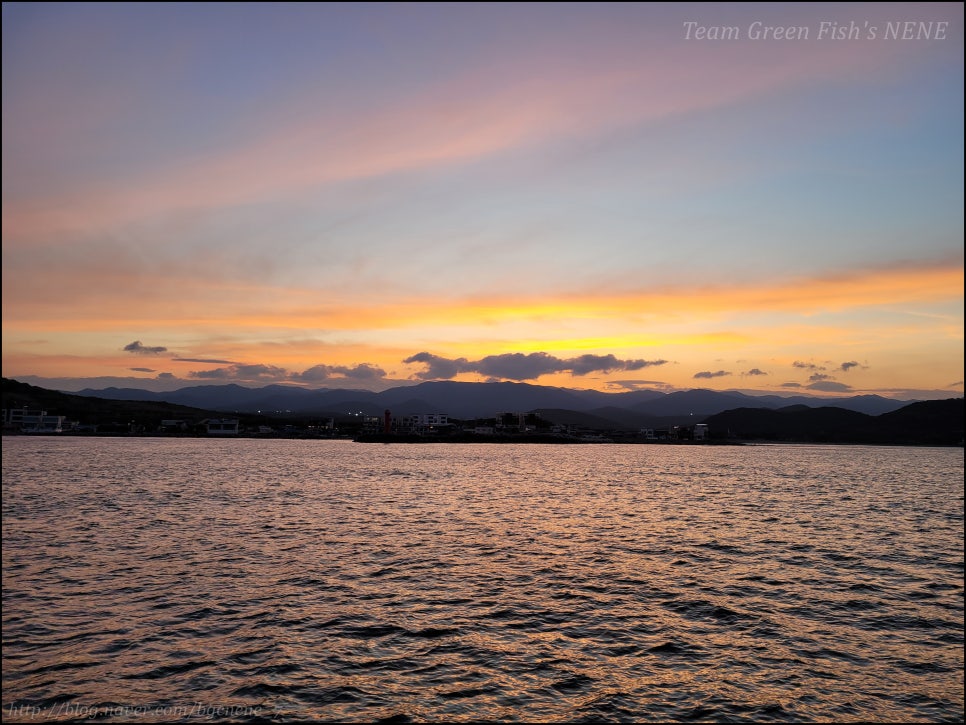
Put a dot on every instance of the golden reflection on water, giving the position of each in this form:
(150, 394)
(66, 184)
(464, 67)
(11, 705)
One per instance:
(333, 580)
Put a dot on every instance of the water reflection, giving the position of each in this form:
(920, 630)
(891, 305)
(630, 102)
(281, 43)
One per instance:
(340, 581)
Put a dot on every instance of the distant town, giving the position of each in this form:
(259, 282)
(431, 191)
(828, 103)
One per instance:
(428, 426)
(29, 410)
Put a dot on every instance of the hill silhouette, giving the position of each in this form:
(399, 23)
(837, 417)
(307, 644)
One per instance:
(930, 422)
(933, 422)
(89, 411)
(481, 400)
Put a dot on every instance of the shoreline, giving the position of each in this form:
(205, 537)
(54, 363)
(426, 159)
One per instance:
(492, 440)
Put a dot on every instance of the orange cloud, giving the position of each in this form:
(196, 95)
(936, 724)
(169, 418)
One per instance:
(236, 308)
(860, 289)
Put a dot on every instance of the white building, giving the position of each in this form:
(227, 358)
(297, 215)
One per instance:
(221, 426)
(422, 423)
(32, 421)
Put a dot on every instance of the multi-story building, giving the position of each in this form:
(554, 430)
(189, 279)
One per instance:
(32, 421)
(221, 426)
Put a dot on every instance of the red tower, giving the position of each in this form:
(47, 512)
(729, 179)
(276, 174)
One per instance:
(387, 422)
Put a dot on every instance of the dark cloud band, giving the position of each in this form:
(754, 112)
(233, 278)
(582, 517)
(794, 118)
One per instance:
(520, 366)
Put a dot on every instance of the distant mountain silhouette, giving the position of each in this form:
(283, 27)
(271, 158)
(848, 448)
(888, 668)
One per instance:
(589, 421)
(482, 400)
(930, 422)
(98, 411)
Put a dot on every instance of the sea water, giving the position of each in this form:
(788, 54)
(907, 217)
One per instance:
(256, 580)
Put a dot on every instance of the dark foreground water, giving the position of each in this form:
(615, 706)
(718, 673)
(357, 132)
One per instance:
(192, 580)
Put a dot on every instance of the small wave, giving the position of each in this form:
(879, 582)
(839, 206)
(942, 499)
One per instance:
(724, 548)
(574, 682)
(116, 646)
(373, 632)
(284, 668)
(705, 610)
(613, 706)
(328, 696)
(250, 656)
(464, 693)
(397, 719)
(857, 605)
(327, 624)
(827, 653)
(383, 572)
(502, 614)
(63, 666)
(675, 648)
(262, 690)
(303, 582)
(159, 673)
(922, 668)
(908, 621)
(864, 587)
(623, 650)
(841, 558)
(434, 632)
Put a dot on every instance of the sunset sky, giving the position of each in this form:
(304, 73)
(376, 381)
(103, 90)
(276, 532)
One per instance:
(371, 195)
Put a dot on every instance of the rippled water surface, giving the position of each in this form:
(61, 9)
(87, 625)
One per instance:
(252, 580)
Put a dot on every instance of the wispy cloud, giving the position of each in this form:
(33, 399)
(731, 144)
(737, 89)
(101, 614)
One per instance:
(638, 385)
(829, 386)
(707, 374)
(242, 306)
(483, 108)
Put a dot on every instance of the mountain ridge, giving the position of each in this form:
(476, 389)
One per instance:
(480, 400)
(931, 422)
